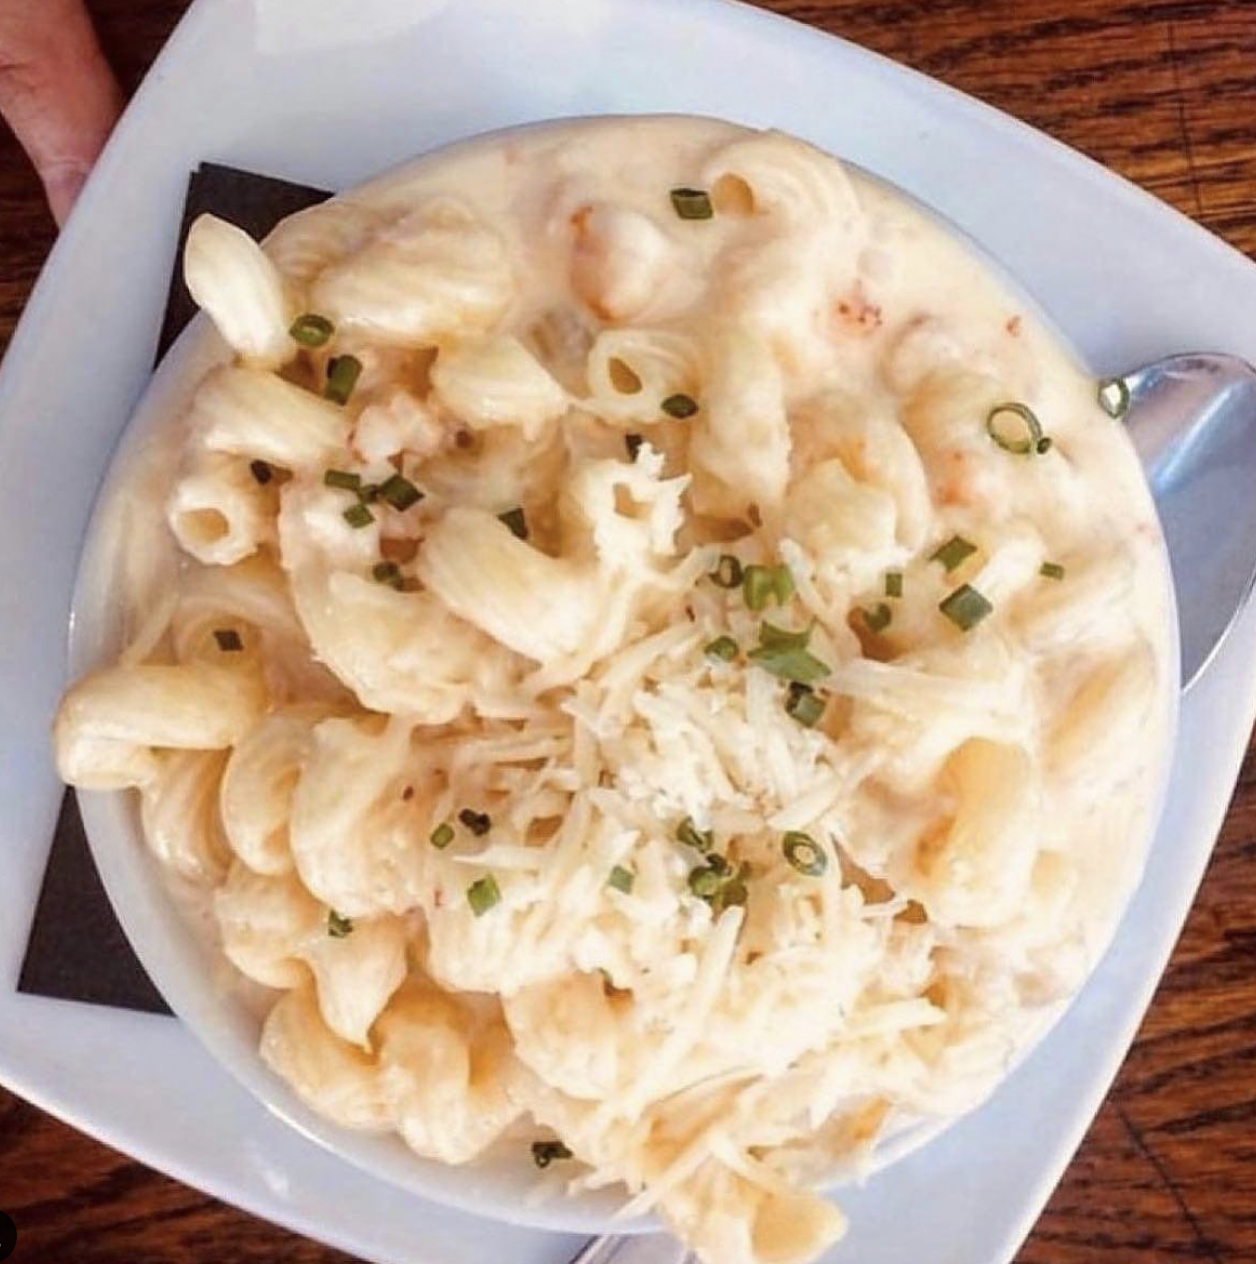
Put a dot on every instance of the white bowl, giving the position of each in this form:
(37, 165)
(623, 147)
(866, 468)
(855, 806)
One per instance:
(190, 973)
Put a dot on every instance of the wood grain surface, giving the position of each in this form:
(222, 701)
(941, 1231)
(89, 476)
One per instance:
(1163, 91)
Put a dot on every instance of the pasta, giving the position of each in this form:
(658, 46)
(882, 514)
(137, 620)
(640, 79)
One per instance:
(656, 662)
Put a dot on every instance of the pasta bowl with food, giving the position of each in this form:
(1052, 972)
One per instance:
(623, 669)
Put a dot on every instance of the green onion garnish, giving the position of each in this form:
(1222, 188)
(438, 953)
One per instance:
(679, 406)
(358, 516)
(368, 493)
(1015, 428)
(342, 479)
(877, 618)
(803, 704)
(482, 894)
(965, 607)
(621, 879)
(689, 834)
(261, 471)
(953, 552)
(692, 203)
(338, 927)
(762, 583)
(893, 583)
(789, 663)
(1051, 570)
(776, 638)
(804, 853)
(1114, 397)
(311, 330)
(228, 640)
(399, 492)
(727, 572)
(342, 376)
(479, 823)
(442, 836)
(546, 1152)
(518, 524)
(705, 881)
(632, 445)
(723, 648)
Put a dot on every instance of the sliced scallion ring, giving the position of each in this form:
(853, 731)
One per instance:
(483, 894)
(965, 607)
(311, 330)
(1114, 397)
(1015, 428)
(692, 204)
(804, 853)
(803, 704)
(953, 552)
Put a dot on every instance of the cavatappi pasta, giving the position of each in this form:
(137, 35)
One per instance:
(663, 667)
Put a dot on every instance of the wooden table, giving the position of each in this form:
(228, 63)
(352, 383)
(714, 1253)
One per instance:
(1163, 91)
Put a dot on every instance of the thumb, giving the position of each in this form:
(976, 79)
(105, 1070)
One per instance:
(57, 92)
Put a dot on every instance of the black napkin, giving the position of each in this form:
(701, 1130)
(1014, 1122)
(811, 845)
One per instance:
(77, 950)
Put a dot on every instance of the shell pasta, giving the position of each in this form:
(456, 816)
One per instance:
(645, 623)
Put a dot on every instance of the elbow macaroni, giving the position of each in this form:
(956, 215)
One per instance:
(650, 710)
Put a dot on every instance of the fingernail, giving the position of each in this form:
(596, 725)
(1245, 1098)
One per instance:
(62, 185)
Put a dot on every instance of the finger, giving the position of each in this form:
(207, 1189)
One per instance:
(57, 92)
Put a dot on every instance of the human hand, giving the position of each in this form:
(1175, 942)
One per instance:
(57, 92)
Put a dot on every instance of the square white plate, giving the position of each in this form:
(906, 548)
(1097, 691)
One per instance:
(326, 94)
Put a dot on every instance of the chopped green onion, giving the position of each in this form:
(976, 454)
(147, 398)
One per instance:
(261, 471)
(311, 330)
(803, 704)
(358, 516)
(1051, 570)
(482, 894)
(518, 524)
(479, 823)
(893, 583)
(442, 836)
(342, 479)
(632, 445)
(399, 492)
(546, 1152)
(877, 618)
(723, 648)
(680, 406)
(228, 640)
(387, 573)
(965, 607)
(953, 552)
(704, 881)
(727, 572)
(789, 663)
(1021, 436)
(782, 638)
(338, 927)
(1044, 445)
(368, 493)
(689, 834)
(717, 864)
(1114, 397)
(804, 853)
(692, 203)
(342, 376)
(761, 583)
(621, 879)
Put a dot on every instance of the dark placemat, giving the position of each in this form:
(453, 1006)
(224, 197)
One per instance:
(77, 950)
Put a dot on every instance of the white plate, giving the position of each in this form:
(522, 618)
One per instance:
(299, 88)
